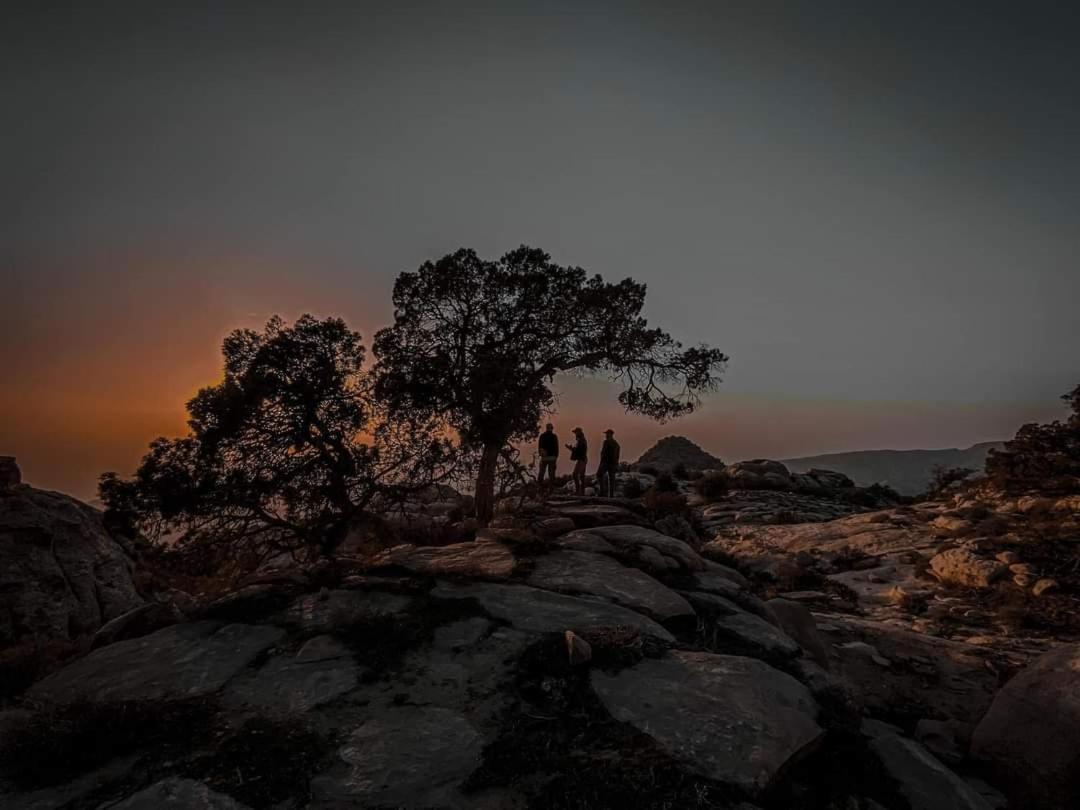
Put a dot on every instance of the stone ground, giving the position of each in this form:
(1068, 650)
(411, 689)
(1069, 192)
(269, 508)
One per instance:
(571, 657)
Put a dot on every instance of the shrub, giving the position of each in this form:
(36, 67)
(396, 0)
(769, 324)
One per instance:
(665, 482)
(1041, 458)
(649, 469)
(632, 488)
(679, 471)
(661, 503)
(712, 486)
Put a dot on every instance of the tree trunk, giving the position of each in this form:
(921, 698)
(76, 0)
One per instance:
(485, 483)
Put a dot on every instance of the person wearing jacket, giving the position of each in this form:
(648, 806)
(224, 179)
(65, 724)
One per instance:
(609, 465)
(548, 447)
(579, 454)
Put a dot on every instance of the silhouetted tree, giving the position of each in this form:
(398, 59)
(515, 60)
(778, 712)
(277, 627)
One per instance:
(943, 478)
(1041, 458)
(480, 342)
(286, 452)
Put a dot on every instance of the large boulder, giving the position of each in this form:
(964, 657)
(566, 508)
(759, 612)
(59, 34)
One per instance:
(958, 566)
(485, 559)
(62, 575)
(760, 473)
(599, 575)
(538, 611)
(1031, 734)
(919, 777)
(177, 794)
(407, 756)
(736, 720)
(185, 660)
(637, 546)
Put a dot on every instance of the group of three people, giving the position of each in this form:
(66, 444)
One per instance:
(548, 447)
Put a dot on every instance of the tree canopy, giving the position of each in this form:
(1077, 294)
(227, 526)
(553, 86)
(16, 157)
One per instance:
(285, 452)
(479, 343)
(1041, 458)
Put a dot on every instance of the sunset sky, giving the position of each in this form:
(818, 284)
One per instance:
(872, 207)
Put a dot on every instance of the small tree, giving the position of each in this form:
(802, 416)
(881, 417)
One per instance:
(1041, 458)
(943, 479)
(481, 342)
(275, 458)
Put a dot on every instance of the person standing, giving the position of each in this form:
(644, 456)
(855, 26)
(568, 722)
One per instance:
(548, 447)
(609, 465)
(579, 454)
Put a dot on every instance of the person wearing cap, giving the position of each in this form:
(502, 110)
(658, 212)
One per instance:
(579, 454)
(548, 447)
(609, 465)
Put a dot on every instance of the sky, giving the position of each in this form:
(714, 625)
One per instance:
(870, 206)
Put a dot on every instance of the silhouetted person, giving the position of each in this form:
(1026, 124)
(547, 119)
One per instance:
(579, 454)
(609, 464)
(549, 455)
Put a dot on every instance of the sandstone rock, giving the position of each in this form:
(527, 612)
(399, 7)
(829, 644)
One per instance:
(176, 794)
(655, 551)
(946, 739)
(538, 611)
(732, 719)
(1033, 505)
(555, 526)
(1010, 558)
(146, 618)
(922, 780)
(487, 560)
(1044, 586)
(578, 650)
(184, 660)
(587, 516)
(322, 670)
(404, 756)
(797, 622)
(335, 609)
(755, 635)
(1031, 734)
(61, 574)
(959, 566)
(951, 526)
(598, 575)
(710, 582)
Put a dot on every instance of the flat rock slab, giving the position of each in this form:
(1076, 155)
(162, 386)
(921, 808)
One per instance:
(587, 516)
(736, 720)
(722, 585)
(637, 545)
(597, 575)
(538, 611)
(185, 660)
(482, 560)
(756, 635)
(404, 756)
(341, 608)
(322, 670)
(920, 777)
(176, 794)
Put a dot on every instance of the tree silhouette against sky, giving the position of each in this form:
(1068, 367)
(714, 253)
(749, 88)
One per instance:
(480, 342)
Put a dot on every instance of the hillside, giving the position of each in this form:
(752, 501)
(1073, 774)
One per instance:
(906, 471)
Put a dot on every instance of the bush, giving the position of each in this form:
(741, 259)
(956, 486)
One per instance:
(679, 471)
(712, 486)
(665, 482)
(1041, 458)
(661, 503)
(649, 469)
(632, 488)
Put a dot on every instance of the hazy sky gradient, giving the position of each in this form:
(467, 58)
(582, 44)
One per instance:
(872, 207)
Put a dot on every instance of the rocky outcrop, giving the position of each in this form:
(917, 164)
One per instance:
(180, 794)
(959, 566)
(673, 451)
(180, 661)
(922, 780)
(10, 475)
(1031, 734)
(62, 575)
(732, 719)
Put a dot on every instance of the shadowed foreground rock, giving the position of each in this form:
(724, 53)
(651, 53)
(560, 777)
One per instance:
(732, 719)
(1031, 734)
(177, 794)
(61, 574)
(181, 661)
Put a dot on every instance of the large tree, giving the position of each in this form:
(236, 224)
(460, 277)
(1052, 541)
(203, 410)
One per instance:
(284, 453)
(480, 342)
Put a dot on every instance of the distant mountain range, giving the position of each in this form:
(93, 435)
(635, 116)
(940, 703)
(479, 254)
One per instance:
(906, 471)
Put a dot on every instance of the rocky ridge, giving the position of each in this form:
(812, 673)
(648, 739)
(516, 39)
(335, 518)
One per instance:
(577, 653)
